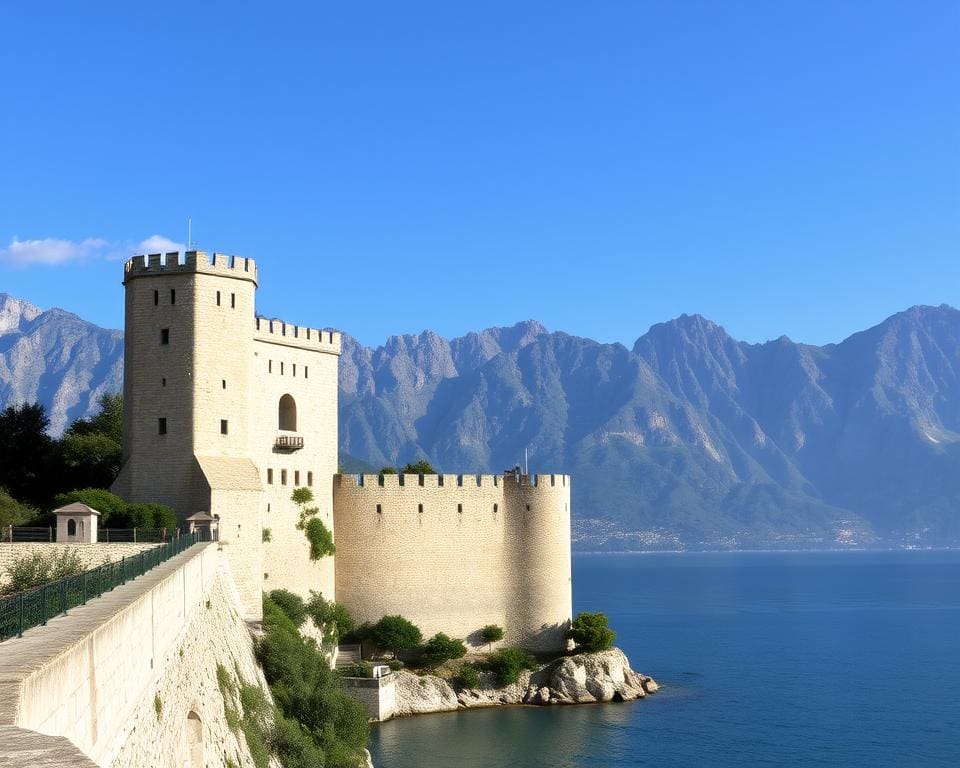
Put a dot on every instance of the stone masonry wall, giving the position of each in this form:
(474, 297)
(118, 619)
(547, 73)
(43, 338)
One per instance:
(130, 678)
(453, 554)
(188, 684)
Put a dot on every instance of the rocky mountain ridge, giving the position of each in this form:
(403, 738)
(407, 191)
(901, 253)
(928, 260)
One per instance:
(689, 439)
(56, 358)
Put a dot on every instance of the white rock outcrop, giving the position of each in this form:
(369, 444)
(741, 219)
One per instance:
(580, 679)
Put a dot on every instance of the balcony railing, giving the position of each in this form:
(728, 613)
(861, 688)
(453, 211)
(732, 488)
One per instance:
(289, 442)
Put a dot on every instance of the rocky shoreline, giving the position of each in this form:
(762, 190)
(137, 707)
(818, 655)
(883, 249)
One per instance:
(580, 679)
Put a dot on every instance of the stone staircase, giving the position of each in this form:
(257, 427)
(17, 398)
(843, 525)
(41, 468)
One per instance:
(347, 655)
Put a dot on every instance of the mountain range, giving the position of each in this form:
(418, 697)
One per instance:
(689, 439)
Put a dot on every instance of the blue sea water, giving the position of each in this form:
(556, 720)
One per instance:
(766, 659)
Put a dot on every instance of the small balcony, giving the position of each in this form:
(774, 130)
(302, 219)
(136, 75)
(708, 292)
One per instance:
(288, 443)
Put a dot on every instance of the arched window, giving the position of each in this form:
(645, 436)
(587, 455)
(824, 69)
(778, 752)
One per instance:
(195, 739)
(288, 414)
(71, 527)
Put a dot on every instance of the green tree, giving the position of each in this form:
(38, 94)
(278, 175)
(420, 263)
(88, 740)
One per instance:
(590, 631)
(321, 725)
(12, 512)
(291, 604)
(388, 470)
(395, 633)
(441, 648)
(422, 467)
(333, 619)
(110, 506)
(27, 454)
(91, 449)
(491, 633)
(149, 515)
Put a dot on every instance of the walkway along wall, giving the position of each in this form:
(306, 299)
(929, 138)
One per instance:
(130, 678)
(453, 553)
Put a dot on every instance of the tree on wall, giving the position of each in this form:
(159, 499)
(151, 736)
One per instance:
(421, 467)
(319, 536)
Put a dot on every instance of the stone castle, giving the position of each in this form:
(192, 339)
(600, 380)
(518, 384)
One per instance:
(226, 412)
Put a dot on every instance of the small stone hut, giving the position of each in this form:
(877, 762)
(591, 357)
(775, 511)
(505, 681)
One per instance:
(77, 523)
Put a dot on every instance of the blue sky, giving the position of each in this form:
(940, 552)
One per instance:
(780, 167)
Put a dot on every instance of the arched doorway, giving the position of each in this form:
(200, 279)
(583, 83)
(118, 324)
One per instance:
(287, 415)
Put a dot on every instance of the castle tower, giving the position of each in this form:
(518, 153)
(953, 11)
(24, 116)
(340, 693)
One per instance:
(228, 413)
(187, 397)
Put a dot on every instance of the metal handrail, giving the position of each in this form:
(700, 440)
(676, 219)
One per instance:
(34, 607)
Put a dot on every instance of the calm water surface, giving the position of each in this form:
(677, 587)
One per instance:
(785, 659)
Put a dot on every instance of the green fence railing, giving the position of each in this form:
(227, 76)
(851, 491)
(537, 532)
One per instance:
(34, 607)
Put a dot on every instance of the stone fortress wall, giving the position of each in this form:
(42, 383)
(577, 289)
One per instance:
(295, 370)
(250, 409)
(453, 553)
(130, 678)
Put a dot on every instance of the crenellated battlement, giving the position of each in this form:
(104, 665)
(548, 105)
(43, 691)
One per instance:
(279, 332)
(153, 264)
(377, 482)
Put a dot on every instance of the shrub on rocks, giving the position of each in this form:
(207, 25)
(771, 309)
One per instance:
(441, 648)
(508, 663)
(396, 633)
(468, 676)
(590, 631)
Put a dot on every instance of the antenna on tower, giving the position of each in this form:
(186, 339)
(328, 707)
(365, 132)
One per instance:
(526, 463)
(189, 233)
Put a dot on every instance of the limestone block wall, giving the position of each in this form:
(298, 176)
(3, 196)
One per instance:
(91, 555)
(130, 678)
(454, 553)
(301, 364)
(189, 693)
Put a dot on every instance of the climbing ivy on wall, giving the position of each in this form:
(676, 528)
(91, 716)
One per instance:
(319, 536)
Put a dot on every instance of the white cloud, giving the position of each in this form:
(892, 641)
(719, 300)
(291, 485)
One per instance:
(52, 251)
(159, 244)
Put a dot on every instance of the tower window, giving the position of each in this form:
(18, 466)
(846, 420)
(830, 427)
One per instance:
(294, 370)
(218, 298)
(296, 477)
(528, 507)
(223, 383)
(283, 477)
(281, 368)
(161, 426)
(233, 301)
(420, 508)
(310, 479)
(306, 372)
(156, 298)
(163, 382)
(287, 414)
(495, 508)
(164, 335)
(379, 510)
(269, 477)
(223, 426)
(269, 366)
(459, 509)
(173, 296)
